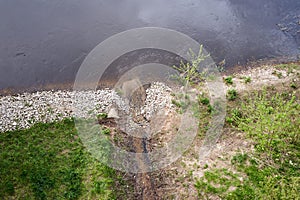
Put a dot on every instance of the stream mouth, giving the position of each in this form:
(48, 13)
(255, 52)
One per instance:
(44, 42)
(131, 110)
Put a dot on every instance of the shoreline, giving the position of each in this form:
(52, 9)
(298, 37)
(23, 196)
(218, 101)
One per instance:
(109, 83)
(22, 110)
(270, 78)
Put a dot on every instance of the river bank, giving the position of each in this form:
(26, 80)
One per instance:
(189, 177)
(22, 110)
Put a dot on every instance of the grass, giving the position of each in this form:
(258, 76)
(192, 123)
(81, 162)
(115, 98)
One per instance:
(48, 161)
(278, 74)
(181, 101)
(263, 181)
(288, 67)
(271, 121)
(216, 181)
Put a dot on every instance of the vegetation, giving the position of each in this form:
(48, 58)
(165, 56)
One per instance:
(48, 161)
(293, 85)
(102, 116)
(288, 67)
(181, 101)
(231, 94)
(205, 101)
(228, 80)
(247, 79)
(272, 122)
(189, 72)
(278, 74)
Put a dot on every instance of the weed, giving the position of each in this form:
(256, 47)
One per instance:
(247, 79)
(189, 73)
(235, 113)
(210, 108)
(176, 103)
(239, 159)
(181, 101)
(106, 131)
(102, 116)
(228, 80)
(278, 74)
(220, 66)
(204, 100)
(293, 85)
(231, 94)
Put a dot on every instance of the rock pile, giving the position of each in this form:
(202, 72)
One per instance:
(23, 110)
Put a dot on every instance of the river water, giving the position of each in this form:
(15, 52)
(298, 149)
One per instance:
(44, 42)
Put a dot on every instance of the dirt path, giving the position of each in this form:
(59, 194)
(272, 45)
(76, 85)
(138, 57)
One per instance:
(144, 187)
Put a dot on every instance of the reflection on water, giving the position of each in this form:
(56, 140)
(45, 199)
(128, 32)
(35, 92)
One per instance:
(45, 41)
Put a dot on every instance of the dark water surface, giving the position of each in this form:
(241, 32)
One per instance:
(45, 41)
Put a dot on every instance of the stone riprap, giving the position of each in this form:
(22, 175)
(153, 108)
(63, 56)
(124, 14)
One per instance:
(24, 110)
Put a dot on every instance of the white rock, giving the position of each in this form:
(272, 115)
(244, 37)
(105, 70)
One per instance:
(113, 113)
(62, 104)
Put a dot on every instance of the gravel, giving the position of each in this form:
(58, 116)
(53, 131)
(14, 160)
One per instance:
(24, 110)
